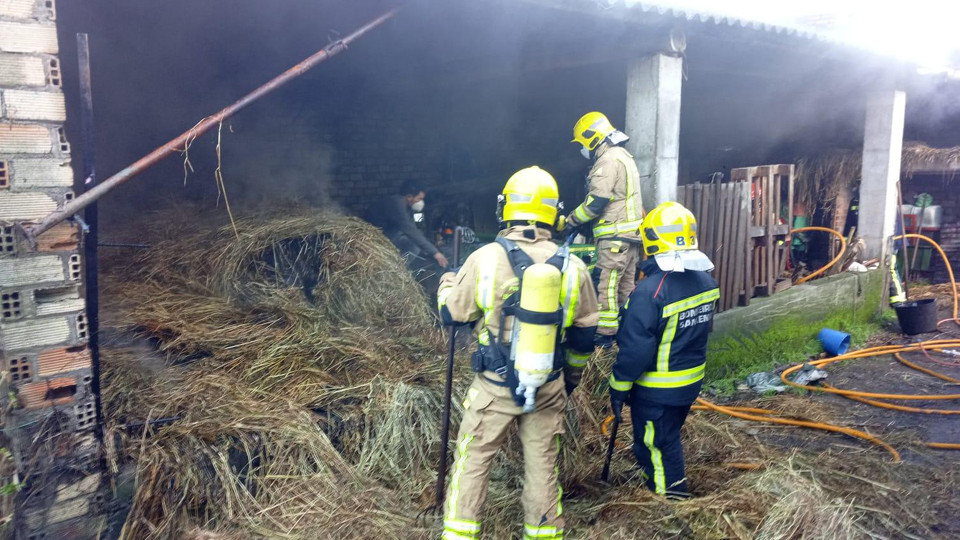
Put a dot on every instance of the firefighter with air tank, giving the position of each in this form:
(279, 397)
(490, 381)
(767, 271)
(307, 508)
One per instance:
(534, 311)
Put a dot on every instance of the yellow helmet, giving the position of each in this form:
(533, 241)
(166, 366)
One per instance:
(591, 129)
(531, 195)
(668, 227)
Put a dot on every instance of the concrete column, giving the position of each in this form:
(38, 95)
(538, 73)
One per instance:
(653, 124)
(882, 147)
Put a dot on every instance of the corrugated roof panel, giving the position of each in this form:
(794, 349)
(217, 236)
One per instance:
(647, 6)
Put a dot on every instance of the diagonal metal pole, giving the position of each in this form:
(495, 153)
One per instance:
(177, 144)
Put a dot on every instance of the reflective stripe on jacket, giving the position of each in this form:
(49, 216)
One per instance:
(663, 338)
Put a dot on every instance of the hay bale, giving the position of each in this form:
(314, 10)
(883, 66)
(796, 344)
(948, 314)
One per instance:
(295, 304)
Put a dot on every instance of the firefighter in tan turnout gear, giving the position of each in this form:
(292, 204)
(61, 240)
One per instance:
(614, 207)
(534, 311)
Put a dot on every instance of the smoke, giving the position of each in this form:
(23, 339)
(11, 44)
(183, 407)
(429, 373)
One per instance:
(287, 158)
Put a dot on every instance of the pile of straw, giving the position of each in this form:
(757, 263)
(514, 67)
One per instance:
(299, 379)
(822, 178)
(917, 157)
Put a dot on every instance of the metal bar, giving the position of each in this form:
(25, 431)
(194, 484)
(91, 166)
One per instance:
(180, 142)
(123, 245)
(90, 216)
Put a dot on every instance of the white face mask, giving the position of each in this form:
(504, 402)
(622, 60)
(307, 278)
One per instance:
(417, 206)
(584, 152)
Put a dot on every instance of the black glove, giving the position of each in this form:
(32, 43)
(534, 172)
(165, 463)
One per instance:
(617, 397)
(571, 378)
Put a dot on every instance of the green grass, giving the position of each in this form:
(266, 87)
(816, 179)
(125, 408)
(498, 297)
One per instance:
(733, 358)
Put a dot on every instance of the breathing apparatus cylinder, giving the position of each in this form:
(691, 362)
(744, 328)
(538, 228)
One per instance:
(533, 345)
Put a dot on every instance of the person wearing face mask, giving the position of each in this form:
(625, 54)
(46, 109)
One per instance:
(394, 215)
(614, 207)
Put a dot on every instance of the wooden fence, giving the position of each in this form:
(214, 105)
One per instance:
(744, 227)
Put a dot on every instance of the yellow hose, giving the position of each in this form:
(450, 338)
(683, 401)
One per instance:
(870, 398)
(803, 423)
(824, 268)
(922, 369)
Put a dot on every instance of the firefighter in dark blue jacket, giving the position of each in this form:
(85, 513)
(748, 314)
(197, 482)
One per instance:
(663, 344)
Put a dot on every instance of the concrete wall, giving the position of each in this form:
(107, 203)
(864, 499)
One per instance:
(45, 391)
(860, 293)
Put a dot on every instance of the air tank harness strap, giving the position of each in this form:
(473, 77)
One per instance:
(496, 356)
(533, 317)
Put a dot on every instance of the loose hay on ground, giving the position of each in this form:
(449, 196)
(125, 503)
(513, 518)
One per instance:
(309, 409)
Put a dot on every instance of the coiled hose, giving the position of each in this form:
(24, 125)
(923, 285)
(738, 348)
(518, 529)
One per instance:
(869, 398)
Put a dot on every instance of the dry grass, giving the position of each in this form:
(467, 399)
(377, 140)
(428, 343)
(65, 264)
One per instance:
(820, 178)
(294, 418)
(918, 156)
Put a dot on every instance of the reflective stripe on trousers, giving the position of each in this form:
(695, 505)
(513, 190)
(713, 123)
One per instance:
(657, 445)
(656, 458)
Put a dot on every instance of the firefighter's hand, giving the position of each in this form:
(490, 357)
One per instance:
(441, 260)
(561, 223)
(617, 397)
(571, 378)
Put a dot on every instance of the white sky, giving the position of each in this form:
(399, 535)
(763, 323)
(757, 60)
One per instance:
(926, 32)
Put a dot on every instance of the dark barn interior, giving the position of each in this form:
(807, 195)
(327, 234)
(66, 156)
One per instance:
(458, 94)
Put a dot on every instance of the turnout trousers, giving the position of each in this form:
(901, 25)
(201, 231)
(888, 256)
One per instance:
(489, 411)
(617, 262)
(657, 445)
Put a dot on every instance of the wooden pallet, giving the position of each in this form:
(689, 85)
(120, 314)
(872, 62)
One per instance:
(734, 229)
(722, 212)
(771, 216)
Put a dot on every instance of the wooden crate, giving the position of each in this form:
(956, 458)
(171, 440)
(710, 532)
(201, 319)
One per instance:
(734, 229)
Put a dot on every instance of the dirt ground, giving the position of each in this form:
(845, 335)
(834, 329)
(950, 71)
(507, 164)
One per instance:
(906, 431)
(884, 374)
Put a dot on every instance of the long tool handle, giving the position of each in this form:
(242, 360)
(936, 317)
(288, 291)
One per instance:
(610, 446)
(916, 248)
(445, 423)
(903, 228)
(457, 238)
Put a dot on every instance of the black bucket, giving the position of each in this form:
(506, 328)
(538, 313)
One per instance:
(917, 316)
